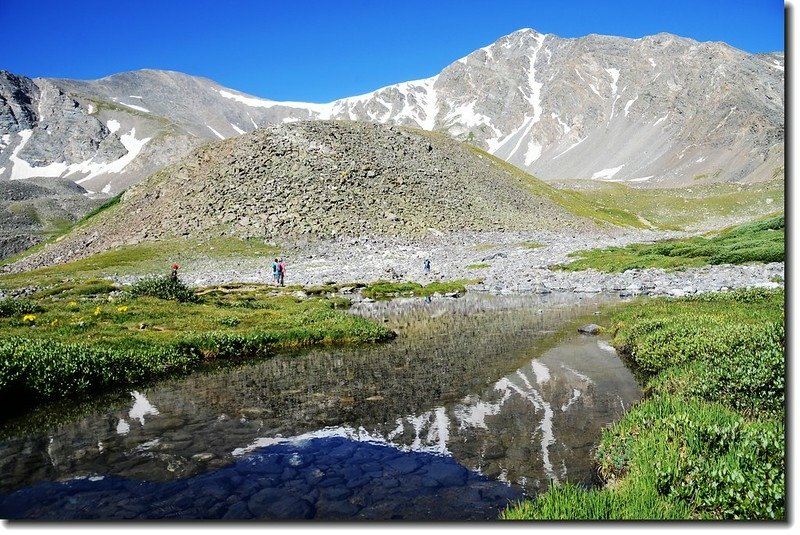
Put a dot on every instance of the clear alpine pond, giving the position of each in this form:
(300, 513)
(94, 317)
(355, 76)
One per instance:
(479, 402)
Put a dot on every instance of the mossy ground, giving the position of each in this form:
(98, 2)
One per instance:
(387, 290)
(759, 241)
(686, 208)
(573, 201)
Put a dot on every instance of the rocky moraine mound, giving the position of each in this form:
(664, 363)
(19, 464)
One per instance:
(319, 180)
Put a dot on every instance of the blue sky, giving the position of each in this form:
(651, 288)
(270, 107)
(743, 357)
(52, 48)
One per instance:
(318, 51)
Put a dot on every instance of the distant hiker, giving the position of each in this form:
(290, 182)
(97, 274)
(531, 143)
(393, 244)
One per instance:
(281, 271)
(426, 266)
(174, 275)
(276, 271)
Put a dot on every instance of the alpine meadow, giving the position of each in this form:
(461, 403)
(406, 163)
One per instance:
(546, 283)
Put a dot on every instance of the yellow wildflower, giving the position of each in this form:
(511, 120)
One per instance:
(73, 304)
(97, 311)
(54, 323)
(122, 308)
(28, 317)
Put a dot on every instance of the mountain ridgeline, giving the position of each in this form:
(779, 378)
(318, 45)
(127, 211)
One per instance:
(661, 110)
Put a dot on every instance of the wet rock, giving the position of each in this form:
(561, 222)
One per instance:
(336, 510)
(591, 328)
(259, 502)
(402, 465)
(290, 508)
(238, 511)
(336, 493)
(447, 475)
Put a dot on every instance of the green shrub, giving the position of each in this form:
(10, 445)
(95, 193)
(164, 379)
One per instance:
(730, 471)
(10, 307)
(164, 288)
(230, 321)
(699, 454)
(35, 370)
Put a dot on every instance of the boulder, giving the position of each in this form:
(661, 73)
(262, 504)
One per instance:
(591, 328)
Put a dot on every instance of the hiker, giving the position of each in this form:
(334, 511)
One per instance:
(281, 271)
(174, 275)
(275, 271)
(426, 266)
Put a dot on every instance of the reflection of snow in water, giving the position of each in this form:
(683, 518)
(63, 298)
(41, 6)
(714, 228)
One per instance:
(541, 372)
(605, 346)
(472, 412)
(430, 431)
(123, 427)
(546, 426)
(141, 408)
(577, 374)
(575, 395)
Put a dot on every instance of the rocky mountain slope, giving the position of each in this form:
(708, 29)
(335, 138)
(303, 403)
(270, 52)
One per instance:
(320, 180)
(30, 207)
(658, 111)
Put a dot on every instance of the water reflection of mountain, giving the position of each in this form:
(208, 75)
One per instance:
(465, 383)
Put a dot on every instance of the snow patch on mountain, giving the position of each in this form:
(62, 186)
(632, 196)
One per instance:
(132, 145)
(629, 104)
(21, 169)
(215, 132)
(607, 173)
(255, 102)
(570, 147)
(135, 107)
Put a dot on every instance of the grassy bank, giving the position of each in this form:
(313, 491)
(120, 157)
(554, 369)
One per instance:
(80, 338)
(759, 241)
(708, 441)
(387, 290)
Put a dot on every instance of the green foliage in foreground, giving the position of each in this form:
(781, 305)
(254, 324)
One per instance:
(708, 440)
(82, 344)
(761, 241)
(387, 290)
(164, 288)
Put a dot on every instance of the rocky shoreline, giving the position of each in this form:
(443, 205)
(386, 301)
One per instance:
(515, 265)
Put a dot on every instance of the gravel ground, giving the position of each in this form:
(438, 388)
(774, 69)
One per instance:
(513, 268)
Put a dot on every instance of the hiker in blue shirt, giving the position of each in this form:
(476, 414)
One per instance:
(275, 271)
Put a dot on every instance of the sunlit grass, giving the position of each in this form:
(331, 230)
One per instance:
(760, 241)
